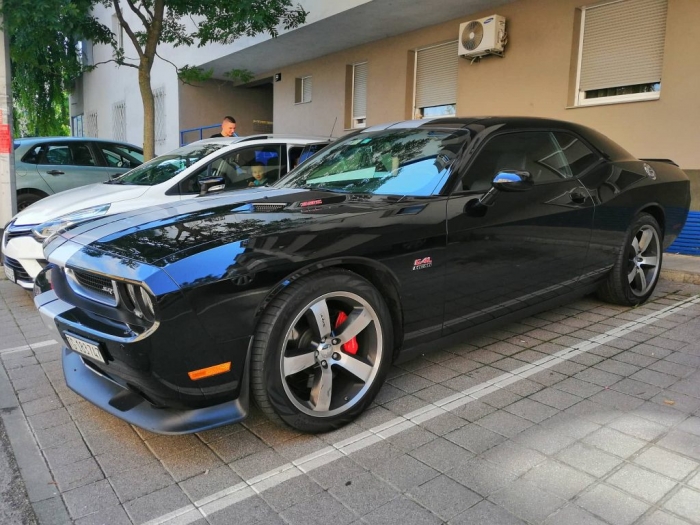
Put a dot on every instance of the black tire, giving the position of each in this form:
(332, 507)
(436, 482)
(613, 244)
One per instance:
(638, 265)
(288, 375)
(24, 200)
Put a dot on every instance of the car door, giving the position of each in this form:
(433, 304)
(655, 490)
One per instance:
(509, 250)
(68, 164)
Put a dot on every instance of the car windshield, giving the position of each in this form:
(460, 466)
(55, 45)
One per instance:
(390, 162)
(165, 167)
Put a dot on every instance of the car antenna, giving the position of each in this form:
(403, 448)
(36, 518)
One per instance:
(334, 123)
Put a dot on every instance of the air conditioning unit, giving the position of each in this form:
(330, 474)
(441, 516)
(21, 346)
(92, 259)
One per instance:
(486, 36)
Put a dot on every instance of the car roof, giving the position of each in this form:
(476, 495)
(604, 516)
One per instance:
(269, 137)
(37, 140)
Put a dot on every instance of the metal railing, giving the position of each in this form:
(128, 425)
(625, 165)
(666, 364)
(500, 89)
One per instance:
(193, 134)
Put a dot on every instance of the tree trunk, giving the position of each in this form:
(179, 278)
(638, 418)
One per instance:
(149, 114)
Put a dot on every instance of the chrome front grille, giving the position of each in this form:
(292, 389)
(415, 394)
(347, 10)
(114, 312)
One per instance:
(92, 286)
(13, 231)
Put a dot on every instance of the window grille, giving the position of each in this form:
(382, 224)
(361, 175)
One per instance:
(119, 121)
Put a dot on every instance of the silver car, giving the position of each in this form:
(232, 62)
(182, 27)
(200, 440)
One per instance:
(48, 165)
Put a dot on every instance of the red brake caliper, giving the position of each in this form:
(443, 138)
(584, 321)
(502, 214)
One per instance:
(351, 347)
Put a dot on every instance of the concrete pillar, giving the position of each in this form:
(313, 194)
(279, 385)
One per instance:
(8, 187)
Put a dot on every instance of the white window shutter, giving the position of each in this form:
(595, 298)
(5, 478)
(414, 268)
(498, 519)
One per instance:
(436, 75)
(623, 44)
(359, 91)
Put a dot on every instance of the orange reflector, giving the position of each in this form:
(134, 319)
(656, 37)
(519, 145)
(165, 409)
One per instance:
(210, 371)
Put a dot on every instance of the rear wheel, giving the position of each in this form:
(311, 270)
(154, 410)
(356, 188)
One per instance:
(321, 351)
(636, 272)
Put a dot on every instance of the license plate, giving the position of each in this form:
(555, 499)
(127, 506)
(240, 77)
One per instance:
(9, 273)
(84, 347)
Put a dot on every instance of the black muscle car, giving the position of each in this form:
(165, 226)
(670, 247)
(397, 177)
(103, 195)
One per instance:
(394, 240)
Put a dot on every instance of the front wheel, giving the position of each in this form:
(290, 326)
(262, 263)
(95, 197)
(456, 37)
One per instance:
(636, 271)
(321, 351)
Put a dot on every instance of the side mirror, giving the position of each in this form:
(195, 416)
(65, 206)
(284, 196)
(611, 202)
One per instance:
(513, 180)
(211, 184)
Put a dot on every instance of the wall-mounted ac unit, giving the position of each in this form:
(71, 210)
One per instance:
(486, 36)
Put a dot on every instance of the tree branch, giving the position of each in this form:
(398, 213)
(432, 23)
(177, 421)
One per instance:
(116, 62)
(138, 12)
(127, 28)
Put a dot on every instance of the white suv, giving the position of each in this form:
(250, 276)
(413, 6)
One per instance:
(219, 164)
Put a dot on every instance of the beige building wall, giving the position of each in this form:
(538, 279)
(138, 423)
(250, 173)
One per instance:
(535, 78)
(208, 103)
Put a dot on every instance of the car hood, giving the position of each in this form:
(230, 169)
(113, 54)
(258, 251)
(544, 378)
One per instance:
(77, 199)
(163, 234)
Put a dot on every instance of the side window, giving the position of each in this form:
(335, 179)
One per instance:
(82, 156)
(121, 157)
(33, 155)
(536, 152)
(251, 166)
(59, 154)
(579, 157)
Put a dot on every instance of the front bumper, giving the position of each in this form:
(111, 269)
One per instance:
(134, 409)
(25, 256)
(114, 396)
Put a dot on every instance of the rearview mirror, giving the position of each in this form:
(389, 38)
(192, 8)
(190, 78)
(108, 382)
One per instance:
(513, 180)
(210, 185)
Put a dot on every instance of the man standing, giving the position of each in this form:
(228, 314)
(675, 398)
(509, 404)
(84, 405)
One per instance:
(228, 128)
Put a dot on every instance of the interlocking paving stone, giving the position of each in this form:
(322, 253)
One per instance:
(401, 511)
(364, 492)
(655, 398)
(662, 518)
(444, 497)
(441, 454)
(682, 442)
(558, 479)
(90, 499)
(614, 442)
(481, 476)
(404, 472)
(588, 459)
(641, 483)
(156, 504)
(612, 505)
(514, 457)
(486, 512)
(527, 501)
(132, 484)
(666, 463)
(686, 503)
(638, 427)
(475, 438)
(572, 515)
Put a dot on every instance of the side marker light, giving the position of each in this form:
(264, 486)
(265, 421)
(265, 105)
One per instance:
(210, 371)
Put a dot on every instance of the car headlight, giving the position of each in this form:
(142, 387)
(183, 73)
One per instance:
(62, 223)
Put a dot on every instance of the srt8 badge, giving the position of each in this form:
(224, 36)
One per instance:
(422, 264)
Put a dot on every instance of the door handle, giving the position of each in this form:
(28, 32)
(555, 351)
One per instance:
(577, 197)
(55, 172)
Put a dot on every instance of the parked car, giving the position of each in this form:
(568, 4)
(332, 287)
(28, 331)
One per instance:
(48, 165)
(170, 177)
(393, 241)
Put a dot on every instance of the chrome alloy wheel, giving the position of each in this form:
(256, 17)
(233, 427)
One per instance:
(643, 260)
(331, 354)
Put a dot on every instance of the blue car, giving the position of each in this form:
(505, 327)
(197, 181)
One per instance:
(48, 165)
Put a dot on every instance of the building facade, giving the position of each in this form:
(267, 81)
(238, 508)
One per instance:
(628, 68)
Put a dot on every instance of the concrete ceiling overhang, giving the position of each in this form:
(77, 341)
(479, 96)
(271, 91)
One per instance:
(374, 20)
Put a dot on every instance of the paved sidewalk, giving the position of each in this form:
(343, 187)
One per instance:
(584, 414)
